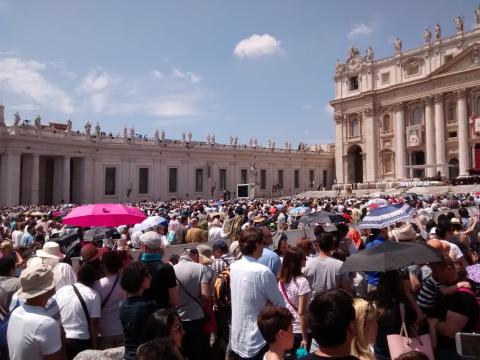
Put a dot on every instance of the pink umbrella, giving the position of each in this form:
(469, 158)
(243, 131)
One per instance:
(104, 215)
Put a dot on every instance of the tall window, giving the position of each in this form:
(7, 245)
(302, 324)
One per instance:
(243, 176)
(143, 180)
(263, 179)
(386, 124)
(172, 180)
(110, 180)
(311, 178)
(199, 180)
(223, 179)
(280, 178)
(296, 179)
(355, 128)
(417, 117)
(452, 112)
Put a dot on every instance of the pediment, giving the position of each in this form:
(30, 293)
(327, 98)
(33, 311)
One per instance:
(467, 60)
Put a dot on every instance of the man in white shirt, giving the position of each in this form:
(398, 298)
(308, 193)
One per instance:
(31, 333)
(81, 329)
(252, 286)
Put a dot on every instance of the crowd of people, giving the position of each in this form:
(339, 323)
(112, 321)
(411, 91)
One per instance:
(244, 291)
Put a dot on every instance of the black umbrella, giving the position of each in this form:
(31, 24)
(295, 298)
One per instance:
(390, 256)
(321, 217)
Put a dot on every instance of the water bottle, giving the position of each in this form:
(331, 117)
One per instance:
(301, 352)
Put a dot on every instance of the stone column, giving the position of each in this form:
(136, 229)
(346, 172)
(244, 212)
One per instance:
(429, 136)
(370, 146)
(12, 179)
(400, 150)
(462, 120)
(66, 179)
(35, 189)
(440, 134)
(339, 173)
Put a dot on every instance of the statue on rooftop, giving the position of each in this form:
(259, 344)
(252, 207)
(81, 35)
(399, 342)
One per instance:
(398, 44)
(427, 36)
(459, 24)
(370, 53)
(37, 122)
(438, 32)
(17, 119)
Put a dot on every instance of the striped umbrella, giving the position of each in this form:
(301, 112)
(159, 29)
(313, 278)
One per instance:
(386, 215)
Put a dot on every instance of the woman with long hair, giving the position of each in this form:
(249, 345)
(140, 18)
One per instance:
(366, 328)
(296, 292)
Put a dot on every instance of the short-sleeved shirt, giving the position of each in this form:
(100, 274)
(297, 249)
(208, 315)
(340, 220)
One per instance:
(32, 334)
(163, 279)
(73, 317)
(294, 289)
(191, 275)
(323, 273)
(110, 324)
(134, 312)
(270, 260)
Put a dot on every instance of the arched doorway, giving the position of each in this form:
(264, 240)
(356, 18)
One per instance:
(418, 158)
(453, 169)
(355, 164)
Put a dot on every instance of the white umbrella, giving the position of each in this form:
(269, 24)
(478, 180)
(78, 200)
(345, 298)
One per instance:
(149, 222)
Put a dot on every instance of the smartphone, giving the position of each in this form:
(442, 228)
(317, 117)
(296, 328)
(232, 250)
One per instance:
(468, 345)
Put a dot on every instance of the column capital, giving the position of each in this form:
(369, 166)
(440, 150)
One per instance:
(428, 100)
(368, 112)
(399, 107)
(461, 93)
(438, 98)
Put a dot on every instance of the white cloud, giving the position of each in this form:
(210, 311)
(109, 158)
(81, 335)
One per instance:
(25, 78)
(194, 78)
(258, 45)
(360, 29)
(96, 80)
(157, 74)
(328, 110)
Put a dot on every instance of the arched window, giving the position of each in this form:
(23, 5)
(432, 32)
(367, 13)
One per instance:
(386, 124)
(417, 117)
(355, 128)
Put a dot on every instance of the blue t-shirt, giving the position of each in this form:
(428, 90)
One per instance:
(270, 260)
(374, 276)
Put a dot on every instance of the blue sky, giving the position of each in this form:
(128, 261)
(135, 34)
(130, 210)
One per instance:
(242, 68)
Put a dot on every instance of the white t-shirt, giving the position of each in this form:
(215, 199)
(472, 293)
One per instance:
(294, 289)
(73, 316)
(32, 334)
(110, 324)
